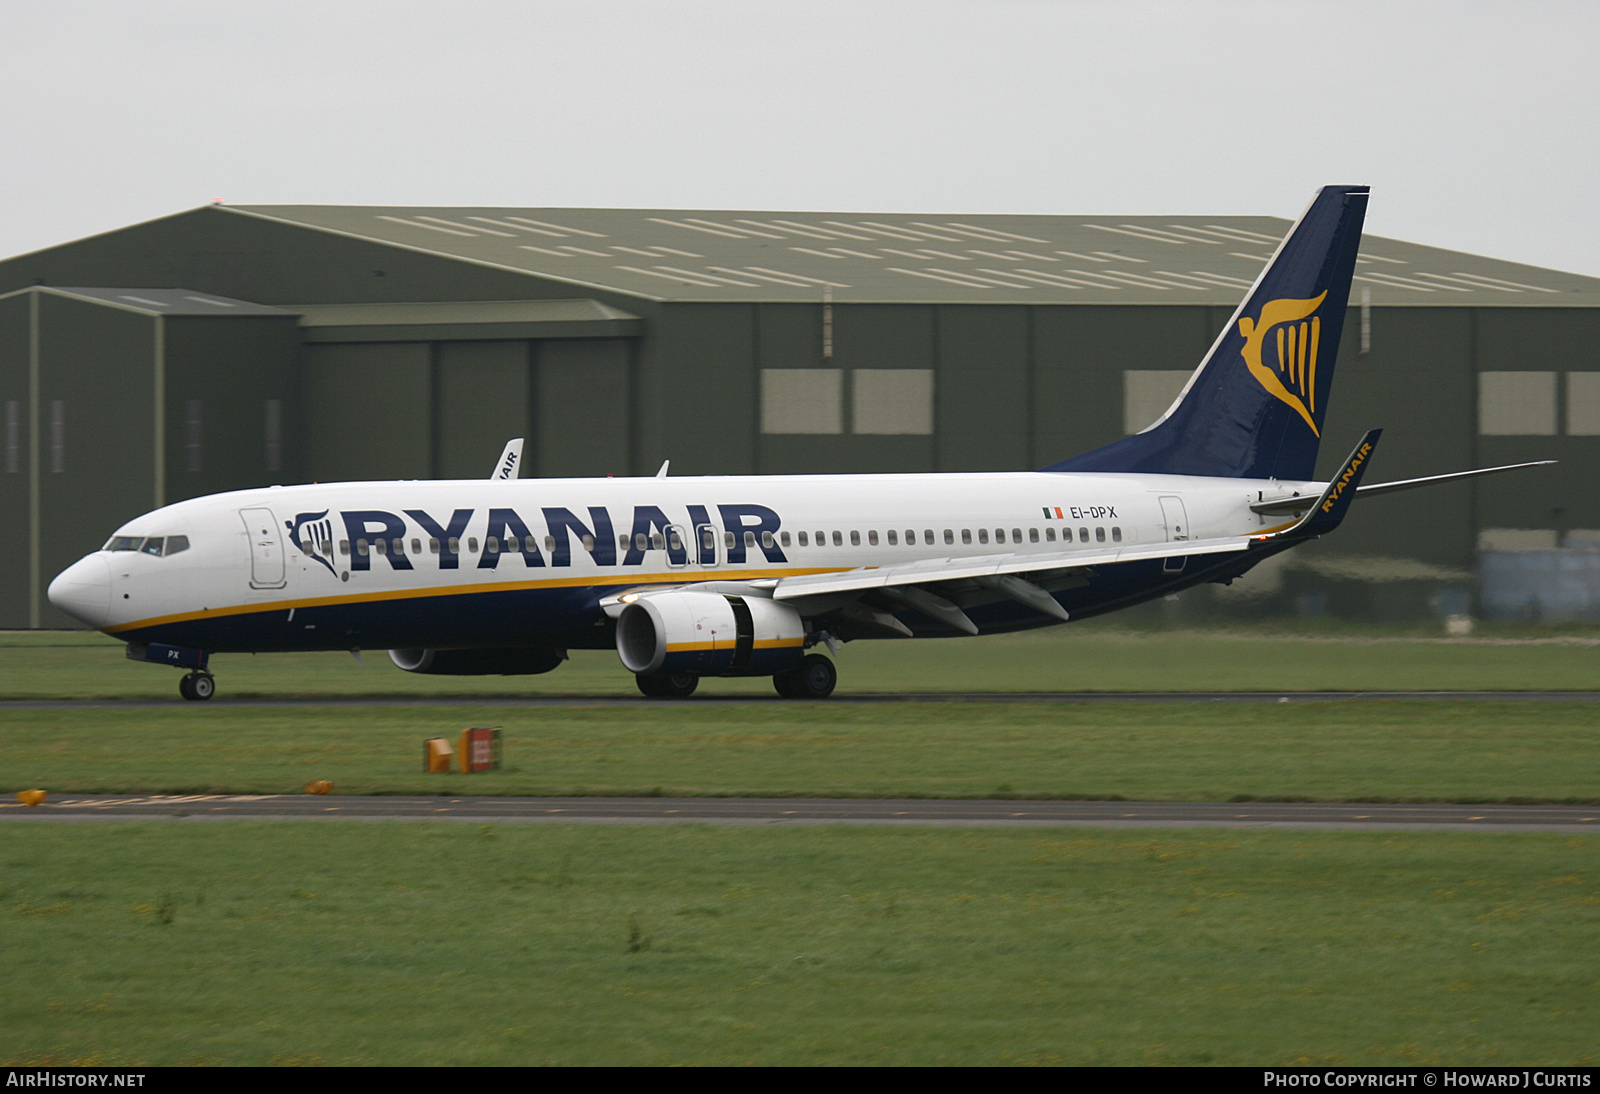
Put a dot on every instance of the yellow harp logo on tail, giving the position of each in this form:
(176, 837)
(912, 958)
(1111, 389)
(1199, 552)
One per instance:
(1294, 381)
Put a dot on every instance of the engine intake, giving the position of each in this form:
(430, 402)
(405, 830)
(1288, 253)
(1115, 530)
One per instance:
(709, 634)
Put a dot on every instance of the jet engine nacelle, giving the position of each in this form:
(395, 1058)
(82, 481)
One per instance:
(709, 634)
(487, 662)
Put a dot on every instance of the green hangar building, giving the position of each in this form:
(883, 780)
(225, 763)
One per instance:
(237, 346)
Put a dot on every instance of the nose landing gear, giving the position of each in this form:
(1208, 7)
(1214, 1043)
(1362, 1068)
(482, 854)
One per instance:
(197, 685)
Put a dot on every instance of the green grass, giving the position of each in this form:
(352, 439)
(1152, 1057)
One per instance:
(394, 943)
(1347, 750)
(1083, 657)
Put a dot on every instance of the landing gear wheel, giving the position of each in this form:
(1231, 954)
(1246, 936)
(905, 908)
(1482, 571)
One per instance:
(667, 685)
(815, 678)
(197, 685)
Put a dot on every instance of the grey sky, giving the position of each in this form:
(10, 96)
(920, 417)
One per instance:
(1475, 123)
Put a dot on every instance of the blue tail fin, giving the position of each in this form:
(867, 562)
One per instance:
(1254, 407)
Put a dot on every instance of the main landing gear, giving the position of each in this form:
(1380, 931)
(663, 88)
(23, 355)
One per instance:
(667, 685)
(814, 678)
(197, 685)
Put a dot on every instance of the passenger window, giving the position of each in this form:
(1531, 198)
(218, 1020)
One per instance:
(966, 535)
(381, 546)
(783, 538)
(549, 544)
(361, 547)
(927, 535)
(433, 545)
(872, 537)
(416, 546)
(1083, 535)
(1016, 535)
(983, 535)
(492, 545)
(1116, 535)
(472, 544)
(949, 536)
(1033, 535)
(766, 539)
(455, 545)
(749, 539)
(344, 547)
(1100, 535)
(838, 538)
(153, 545)
(640, 542)
(855, 538)
(1050, 535)
(588, 543)
(894, 538)
(805, 541)
(675, 540)
(727, 539)
(181, 543)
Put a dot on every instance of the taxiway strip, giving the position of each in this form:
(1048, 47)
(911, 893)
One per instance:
(767, 811)
(766, 700)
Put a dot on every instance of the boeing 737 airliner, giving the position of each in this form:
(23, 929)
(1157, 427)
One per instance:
(741, 576)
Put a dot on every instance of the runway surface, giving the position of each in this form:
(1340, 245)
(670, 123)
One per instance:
(767, 700)
(778, 811)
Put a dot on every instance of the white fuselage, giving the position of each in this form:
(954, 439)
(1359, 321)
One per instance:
(338, 565)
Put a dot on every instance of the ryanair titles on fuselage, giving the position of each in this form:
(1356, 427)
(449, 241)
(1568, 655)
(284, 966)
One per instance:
(596, 533)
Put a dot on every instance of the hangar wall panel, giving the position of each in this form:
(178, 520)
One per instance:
(1417, 383)
(983, 389)
(584, 400)
(1540, 340)
(369, 411)
(15, 462)
(699, 401)
(1080, 356)
(97, 450)
(484, 398)
(231, 367)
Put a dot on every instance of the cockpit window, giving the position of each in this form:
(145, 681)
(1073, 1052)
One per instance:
(149, 545)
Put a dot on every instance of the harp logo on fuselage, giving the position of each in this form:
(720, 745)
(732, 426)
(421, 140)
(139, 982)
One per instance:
(1298, 328)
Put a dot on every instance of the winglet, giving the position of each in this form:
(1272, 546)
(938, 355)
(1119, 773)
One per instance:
(510, 460)
(1330, 509)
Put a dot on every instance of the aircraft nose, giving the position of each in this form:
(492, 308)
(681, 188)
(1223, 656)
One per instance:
(83, 590)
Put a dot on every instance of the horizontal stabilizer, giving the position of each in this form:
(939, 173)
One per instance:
(1301, 503)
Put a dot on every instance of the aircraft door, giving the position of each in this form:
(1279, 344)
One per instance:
(1177, 521)
(266, 548)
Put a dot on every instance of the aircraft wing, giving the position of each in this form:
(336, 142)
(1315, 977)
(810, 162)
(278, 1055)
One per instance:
(952, 569)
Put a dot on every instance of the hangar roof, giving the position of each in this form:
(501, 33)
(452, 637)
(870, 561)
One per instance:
(159, 301)
(664, 254)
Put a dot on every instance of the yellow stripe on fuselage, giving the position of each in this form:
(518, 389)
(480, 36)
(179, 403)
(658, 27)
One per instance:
(678, 577)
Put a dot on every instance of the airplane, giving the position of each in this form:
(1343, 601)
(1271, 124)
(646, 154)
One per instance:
(745, 575)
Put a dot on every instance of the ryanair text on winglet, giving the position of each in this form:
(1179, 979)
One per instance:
(1344, 480)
